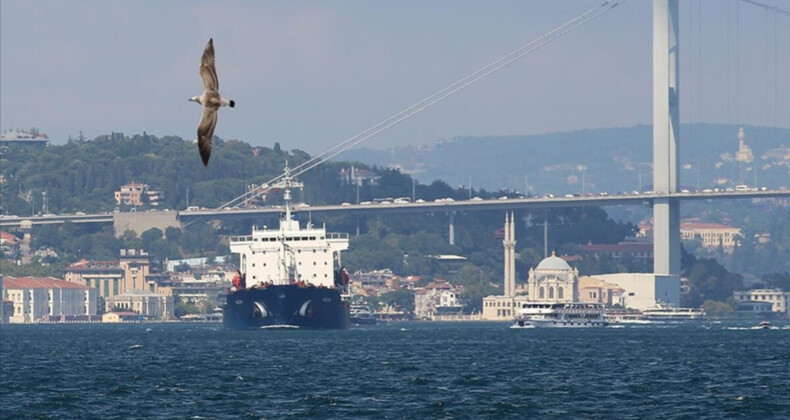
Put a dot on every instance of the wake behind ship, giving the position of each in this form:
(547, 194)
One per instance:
(292, 275)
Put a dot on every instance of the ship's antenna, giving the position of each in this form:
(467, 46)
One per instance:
(287, 183)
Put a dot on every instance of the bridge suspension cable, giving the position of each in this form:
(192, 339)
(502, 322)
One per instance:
(440, 95)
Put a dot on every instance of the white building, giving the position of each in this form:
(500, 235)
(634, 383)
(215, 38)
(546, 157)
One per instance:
(46, 299)
(502, 308)
(645, 290)
(777, 297)
(437, 298)
(553, 280)
(147, 304)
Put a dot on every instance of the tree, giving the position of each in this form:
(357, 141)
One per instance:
(182, 308)
(708, 280)
(151, 235)
(779, 280)
(402, 299)
(716, 308)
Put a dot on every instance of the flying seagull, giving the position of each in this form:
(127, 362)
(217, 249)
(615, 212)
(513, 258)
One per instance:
(211, 101)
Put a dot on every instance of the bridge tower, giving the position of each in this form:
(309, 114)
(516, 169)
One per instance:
(666, 125)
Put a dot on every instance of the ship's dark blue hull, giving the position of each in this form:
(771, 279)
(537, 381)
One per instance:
(288, 305)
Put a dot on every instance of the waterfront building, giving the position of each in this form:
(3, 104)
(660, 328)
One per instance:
(211, 286)
(6, 305)
(122, 316)
(437, 298)
(754, 308)
(6, 310)
(111, 278)
(144, 303)
(47, 299)
(502, 308)
(778, 298)
(645, 290)
(592, 290)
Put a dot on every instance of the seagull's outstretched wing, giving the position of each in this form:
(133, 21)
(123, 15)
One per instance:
(207, 71)
(205, 132)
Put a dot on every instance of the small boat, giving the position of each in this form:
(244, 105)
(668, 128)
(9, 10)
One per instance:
(361, 315)
(765, 325)
(520, 323)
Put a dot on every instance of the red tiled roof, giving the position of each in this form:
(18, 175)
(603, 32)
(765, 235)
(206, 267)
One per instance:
(39, 283)
(7, 237)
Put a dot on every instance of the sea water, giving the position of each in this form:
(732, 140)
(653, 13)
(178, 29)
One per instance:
(417, 370)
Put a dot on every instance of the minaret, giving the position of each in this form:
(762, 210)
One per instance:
(512, 254)
(509, 244)
(506, 267)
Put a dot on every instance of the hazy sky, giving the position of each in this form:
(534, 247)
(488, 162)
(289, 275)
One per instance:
(310, 74)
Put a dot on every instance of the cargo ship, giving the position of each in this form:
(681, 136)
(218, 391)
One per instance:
(292, 275)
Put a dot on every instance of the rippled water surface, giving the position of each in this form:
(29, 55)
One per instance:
(408, 370)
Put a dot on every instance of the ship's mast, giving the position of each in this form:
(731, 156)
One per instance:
(287, 183)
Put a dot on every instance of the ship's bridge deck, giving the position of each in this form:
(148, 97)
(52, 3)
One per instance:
(276, 236)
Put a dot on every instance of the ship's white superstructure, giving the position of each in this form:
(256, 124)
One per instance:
(289, 254)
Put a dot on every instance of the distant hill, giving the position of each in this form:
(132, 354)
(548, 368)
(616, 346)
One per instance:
(616, 159)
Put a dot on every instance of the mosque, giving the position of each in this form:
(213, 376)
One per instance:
(554, 280)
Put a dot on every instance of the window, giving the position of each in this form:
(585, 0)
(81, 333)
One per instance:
(541, 293)
(551, 293)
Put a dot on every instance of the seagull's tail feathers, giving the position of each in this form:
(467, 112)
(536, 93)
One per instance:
(232, 103)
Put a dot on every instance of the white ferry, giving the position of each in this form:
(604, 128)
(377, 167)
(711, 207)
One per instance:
(626, 317)
(560, 315)
(673, 314)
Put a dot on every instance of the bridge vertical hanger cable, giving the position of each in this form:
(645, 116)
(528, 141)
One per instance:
(776, 72)
(699, 61)
(777, 11)
(474, 77)
(691, 97)
(728, 64)
(437, 97)
(738, 63)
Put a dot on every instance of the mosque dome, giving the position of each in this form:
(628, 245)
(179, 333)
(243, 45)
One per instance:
(553, 263)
